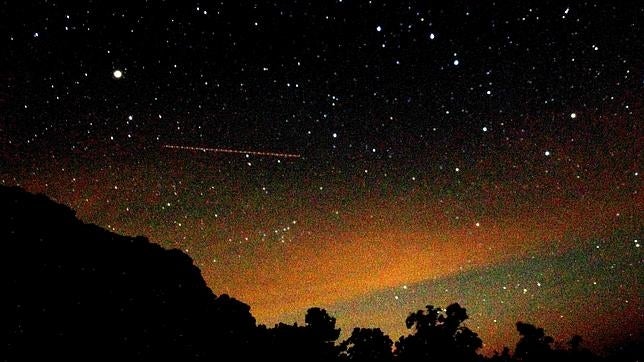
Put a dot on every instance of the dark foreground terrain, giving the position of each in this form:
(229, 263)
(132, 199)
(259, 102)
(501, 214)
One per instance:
(75, 292)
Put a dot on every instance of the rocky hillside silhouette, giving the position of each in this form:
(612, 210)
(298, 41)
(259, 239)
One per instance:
(73, 291)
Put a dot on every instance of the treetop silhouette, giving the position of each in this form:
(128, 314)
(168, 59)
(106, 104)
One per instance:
(437, 335)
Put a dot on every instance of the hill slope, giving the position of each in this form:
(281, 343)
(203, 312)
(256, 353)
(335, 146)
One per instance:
(74, 291)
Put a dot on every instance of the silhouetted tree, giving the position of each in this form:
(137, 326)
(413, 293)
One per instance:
(368, 344)
(503, 357)
(575, 343)
(439, 336)
(312, 342)
(533, 344)
(321, 330)
(285, 343)
(321, 325)
(576, 351)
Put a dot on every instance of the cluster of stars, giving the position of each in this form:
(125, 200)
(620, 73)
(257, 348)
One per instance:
(438, 146)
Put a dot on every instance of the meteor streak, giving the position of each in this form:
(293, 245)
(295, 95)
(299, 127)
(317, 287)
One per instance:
(228, 150)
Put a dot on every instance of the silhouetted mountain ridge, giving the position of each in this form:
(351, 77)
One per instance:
(77, 291)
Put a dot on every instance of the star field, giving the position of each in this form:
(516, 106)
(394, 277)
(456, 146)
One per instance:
(481, 152)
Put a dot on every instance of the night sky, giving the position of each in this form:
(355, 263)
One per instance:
(480, 152)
